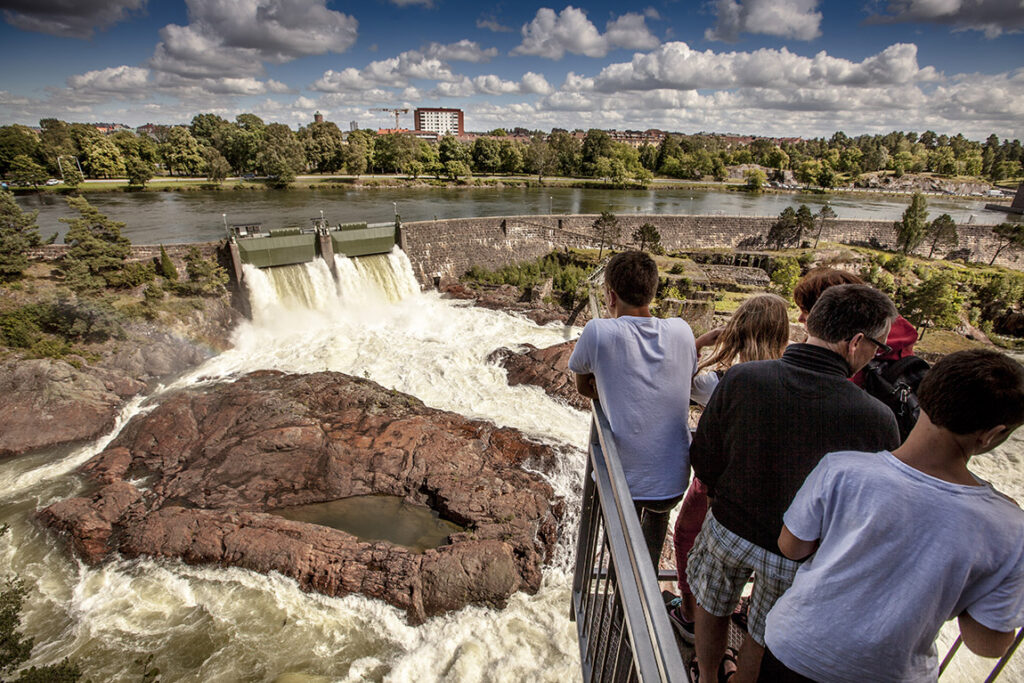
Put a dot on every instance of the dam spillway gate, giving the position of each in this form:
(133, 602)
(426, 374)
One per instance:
(249, 244)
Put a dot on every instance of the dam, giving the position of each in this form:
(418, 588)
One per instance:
(365, 316)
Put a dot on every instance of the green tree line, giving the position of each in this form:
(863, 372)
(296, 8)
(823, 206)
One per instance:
(214, 147)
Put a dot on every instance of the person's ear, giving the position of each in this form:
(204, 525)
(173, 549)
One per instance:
(992, 437)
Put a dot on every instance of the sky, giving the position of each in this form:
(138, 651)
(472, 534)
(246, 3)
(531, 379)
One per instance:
(755, 67)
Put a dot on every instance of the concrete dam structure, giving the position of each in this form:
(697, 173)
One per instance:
(249, 244)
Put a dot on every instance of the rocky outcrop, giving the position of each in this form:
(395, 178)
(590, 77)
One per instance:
(546, 368)
(198, 477)
(47, 402)
(511, 299)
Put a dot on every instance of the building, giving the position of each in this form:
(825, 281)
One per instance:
(441, 121)
(318, 118)
(353, 125)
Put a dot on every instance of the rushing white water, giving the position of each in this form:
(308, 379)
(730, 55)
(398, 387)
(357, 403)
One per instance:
(215, 624)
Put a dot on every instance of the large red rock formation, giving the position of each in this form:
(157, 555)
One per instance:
(196, 477)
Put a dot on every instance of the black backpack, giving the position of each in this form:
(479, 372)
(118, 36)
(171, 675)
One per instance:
(894, 383)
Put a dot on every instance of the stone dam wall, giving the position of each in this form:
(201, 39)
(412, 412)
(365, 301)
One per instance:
(447, 248)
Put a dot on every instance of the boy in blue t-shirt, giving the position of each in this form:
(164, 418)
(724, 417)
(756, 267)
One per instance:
(898, 543)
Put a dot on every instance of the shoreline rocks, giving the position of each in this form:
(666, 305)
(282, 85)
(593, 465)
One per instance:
(197, 477)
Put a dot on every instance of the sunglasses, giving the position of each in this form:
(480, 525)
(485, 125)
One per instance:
(882, 348)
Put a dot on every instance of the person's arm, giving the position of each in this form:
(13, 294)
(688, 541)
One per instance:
(708, 338)
(587, 385)
(795, 548)
(982, 640)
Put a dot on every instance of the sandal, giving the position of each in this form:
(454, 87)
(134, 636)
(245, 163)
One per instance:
(694, 669)
(739, 615)
(729, 657)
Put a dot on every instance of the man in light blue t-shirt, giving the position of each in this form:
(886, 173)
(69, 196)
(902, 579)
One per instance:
(640, 367)
(904, 541)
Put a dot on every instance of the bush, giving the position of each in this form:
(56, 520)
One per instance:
(132, 274)
(896, 264)
(50, 347)
(785, 275)
(20, 328)
(677, 269)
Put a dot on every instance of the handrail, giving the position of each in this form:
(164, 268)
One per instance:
(621, 622)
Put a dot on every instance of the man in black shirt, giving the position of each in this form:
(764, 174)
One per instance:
(763, 431)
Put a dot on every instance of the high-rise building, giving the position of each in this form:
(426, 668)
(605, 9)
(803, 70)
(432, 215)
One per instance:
(353, 125)
(318, 118)
(440, 121)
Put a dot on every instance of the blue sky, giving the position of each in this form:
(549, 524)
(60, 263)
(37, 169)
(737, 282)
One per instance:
(761, 67)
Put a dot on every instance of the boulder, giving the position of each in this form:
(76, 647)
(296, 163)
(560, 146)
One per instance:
(217, 460)
(546, 368)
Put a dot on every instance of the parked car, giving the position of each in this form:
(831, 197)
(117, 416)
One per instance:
(53, 181)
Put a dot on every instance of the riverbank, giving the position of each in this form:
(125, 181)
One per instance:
(927, 184)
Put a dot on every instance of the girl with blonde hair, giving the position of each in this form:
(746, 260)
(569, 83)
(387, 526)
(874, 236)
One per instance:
(758, 330)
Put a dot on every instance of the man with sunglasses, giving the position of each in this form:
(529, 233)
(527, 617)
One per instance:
(763, 431)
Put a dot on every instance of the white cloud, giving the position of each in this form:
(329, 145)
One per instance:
(551, 35)
(77, 19)
(535, 83)
(279, 29)
(462, 51)
(492, 24)
(786, 18)
(676, 65)
(991, 16)
(126, 80)
(630, 31)
(233, 38)
(393, 72)
(191, 53)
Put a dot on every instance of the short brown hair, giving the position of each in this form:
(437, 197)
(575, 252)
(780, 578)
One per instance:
(810, 287)
(973, 390)
(844, 310)
(633, 276)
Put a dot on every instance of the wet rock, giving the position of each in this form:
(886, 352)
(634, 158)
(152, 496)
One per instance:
(46, 401)
(510, 299)
(214, 461)
(546, 368)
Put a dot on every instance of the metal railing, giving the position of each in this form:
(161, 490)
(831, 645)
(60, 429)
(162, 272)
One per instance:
(623, 627)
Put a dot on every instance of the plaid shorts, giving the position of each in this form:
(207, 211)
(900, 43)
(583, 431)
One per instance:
(718, 568)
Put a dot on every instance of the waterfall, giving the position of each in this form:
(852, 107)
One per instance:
(361, 281)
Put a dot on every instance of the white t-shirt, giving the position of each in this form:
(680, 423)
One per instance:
(901, 552)
(643, 368)
(703, 386)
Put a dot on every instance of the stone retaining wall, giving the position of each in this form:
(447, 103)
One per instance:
(139, 252)
(448, 248)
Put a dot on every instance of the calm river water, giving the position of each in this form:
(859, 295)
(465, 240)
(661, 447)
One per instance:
(173, 217)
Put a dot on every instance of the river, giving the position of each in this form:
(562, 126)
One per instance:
(200, 216)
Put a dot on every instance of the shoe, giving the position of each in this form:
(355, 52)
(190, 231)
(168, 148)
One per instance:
(683, 627)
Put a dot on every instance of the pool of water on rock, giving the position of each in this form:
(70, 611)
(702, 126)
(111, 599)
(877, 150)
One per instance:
(378, 518)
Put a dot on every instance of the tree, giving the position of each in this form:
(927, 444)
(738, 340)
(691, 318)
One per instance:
(217, 167)
(804, 223)
(139, 171)
(539, 158)
(755, 179)
(282, 156)
(607, 230)
(823, 215)
(826, 177)
(205, 276)
(910, 230)
(182, 152)
(942, 230)
(72, 176)
(450, 149)
(167, 267)
(101, 158)
(18, 232)
(27, 172)
(934, 302)
(15, 141)
(98, 250)
(647, 236)
(456, 170)
(511, 157)
(486, 153)
(785, 230)
(1008, 236)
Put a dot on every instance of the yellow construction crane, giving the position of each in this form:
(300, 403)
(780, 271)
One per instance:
(396, 112)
